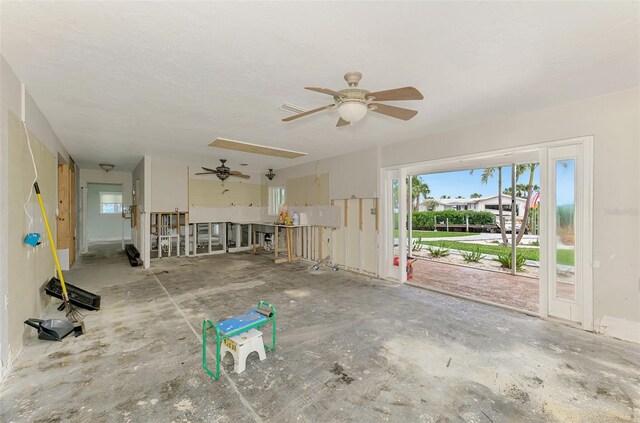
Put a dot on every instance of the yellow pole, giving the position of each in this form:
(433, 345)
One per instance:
(65, 297)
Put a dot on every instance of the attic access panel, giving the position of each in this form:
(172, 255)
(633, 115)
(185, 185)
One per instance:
(246, 147)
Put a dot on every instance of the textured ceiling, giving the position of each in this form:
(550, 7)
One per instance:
(118, 80)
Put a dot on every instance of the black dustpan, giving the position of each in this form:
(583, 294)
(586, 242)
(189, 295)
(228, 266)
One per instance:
(52, 329)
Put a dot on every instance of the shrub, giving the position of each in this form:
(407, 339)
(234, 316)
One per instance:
(425, 220)
(438, 251)
(505, 261)
(472, 256)
(417, 245)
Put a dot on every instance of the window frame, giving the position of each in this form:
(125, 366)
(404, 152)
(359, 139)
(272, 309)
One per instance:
(276, 203)
(118, 207)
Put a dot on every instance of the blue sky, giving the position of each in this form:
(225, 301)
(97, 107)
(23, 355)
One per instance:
(463, 183)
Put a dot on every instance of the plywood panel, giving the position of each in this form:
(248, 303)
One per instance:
(369, 237)
(353, 233)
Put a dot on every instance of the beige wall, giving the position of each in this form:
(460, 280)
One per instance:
(311, 190)
(23, 270)
(29, 268)
(213, 193)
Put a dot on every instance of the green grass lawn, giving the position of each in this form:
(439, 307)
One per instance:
(440, 234)
(565, 257)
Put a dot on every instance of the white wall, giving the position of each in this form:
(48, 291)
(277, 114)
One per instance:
(104, 227)
(141, 179)
(23, 270)
(169, 187)
(350, 175)
(99, 176)
(613, 120)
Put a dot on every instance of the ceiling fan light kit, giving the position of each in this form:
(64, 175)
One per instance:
(270, 175)
(354, 102)
(223, 171)
(352, 110)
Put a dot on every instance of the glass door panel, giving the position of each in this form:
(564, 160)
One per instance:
(565, 234)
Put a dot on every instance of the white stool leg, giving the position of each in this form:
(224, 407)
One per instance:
(242, 359)
(258, 346)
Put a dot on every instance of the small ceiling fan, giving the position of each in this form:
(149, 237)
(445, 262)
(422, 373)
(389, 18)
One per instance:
(354, 102)
(223, 171)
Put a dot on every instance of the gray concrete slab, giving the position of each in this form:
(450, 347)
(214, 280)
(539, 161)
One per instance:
(350, 348)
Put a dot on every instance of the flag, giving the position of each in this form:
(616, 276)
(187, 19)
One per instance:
(535, 201)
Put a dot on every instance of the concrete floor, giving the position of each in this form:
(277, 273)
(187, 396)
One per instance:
(350, 348)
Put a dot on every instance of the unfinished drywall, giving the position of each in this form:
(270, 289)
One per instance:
(310, 190)
(169, 187)
(23, 270)
(613, 120)
(103, 227)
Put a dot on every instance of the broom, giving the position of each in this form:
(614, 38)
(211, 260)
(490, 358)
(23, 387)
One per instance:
(73, 314)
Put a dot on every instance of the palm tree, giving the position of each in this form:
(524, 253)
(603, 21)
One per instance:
(475, 195)
(487, 174)
(418, 188)
(520, 169)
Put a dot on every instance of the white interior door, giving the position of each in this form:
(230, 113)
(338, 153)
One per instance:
(569, 234)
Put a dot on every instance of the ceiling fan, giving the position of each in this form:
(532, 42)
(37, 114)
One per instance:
(354, 102)
(223, 171)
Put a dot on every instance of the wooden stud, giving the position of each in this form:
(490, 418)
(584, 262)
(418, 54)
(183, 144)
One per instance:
(72, 212)
(62, 228)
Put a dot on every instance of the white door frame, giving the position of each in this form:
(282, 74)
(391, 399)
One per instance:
(582, 152)
(536, 151)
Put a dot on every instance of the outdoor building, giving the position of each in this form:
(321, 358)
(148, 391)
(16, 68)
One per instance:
(489, 204)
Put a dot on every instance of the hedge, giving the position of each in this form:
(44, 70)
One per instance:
(424, 220)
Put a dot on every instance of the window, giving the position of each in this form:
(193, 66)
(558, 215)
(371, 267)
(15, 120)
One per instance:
(110, 202)
(276, 200)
